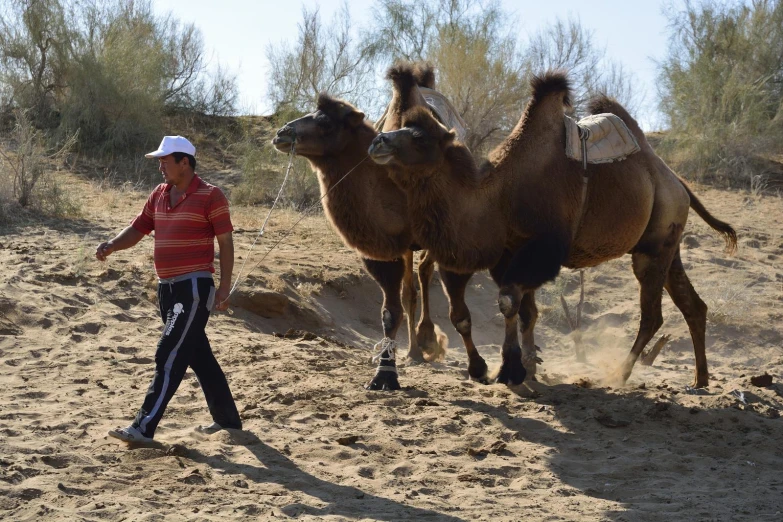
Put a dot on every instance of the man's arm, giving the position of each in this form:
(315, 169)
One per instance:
(226, 246)
(125, 239)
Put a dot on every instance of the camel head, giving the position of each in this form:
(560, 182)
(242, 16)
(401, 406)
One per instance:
(419, 148)
(324, 132)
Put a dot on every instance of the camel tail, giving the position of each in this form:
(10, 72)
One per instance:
(723, 228)
(603, 103)
(550, 83)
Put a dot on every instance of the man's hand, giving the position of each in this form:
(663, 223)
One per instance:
(125, 239)
(221, 298)
(104, 250)
(226, 244)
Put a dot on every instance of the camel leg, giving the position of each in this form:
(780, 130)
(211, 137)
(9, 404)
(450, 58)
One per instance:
(528, 315)
(511, 342)
(454, 285)
(650, 270)
(409, 305)
(511, 368)
(388, 275)
(695, 312)
(432, 341)
(537, 262)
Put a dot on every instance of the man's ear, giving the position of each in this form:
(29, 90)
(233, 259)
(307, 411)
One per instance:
(355, 118)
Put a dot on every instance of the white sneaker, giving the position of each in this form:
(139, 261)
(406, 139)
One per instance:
(129, 434)
(210, 429)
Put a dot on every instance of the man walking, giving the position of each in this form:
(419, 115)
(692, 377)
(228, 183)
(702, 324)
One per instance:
(187, 214)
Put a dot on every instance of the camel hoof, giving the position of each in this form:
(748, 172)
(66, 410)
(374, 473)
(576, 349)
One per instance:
(700, 383)
(433, 342)
(383, 381)
(512, 371)
(414, 358)
(477, 369)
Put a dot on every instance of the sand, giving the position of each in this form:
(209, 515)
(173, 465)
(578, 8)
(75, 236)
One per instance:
(77, 341)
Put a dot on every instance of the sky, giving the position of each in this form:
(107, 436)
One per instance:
(238, 32)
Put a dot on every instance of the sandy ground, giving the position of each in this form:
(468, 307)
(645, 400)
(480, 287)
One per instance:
(77, 341)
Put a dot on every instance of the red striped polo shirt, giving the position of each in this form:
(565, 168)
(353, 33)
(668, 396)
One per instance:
(185, 233)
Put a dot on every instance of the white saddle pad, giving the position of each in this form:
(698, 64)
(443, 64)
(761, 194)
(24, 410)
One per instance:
(607, 138)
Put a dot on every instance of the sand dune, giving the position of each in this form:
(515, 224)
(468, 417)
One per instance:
(77, 341)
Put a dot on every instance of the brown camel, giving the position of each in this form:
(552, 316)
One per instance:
(527, 199)
(405, 78)
(370, 214)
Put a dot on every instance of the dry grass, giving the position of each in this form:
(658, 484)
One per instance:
(728, 302)
(550, 309)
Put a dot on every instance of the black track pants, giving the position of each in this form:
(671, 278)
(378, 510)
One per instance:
(184, 308)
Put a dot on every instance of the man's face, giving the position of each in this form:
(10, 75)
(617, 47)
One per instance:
(172, 171)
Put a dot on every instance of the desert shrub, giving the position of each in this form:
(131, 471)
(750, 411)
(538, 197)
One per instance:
(111, 70)
(263, 170)
(26, 177)
(722, 86)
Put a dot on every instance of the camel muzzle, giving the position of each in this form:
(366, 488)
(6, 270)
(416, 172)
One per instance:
(284, 138)
(380, 150)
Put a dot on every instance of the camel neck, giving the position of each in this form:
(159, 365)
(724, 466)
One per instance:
(539, 127)
(362, 203)
(458, 220)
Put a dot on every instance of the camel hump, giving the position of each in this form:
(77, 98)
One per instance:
(602, 103)
(407, 74)
(551, 83)
(424, 72)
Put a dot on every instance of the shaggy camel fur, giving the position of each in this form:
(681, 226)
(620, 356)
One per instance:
(370, 214)
(527, 199)
(405, 79)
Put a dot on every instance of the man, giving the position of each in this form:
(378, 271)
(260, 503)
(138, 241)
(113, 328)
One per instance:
(187, 215)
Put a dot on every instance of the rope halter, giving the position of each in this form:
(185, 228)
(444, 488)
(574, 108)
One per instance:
(387, 353)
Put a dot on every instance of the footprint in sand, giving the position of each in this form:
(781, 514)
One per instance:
(24, 494)
(124, 318)
(139, 360)
(57, 461)
(728, 263)
(690, 241)
(125, 303)
(88, 328)
(8, 327)
(73, 491)
(33, 395)
(71, 311)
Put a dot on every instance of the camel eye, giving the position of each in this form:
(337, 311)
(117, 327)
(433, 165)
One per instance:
(322, 120)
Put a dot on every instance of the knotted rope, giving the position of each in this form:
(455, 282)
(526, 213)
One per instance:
(387, 352)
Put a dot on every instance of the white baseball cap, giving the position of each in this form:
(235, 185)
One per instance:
(171, 144)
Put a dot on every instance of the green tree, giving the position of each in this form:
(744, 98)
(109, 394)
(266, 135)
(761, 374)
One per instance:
(722, 87)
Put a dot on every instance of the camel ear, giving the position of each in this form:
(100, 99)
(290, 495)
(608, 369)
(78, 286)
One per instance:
(355, 118)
